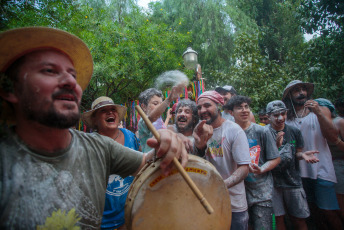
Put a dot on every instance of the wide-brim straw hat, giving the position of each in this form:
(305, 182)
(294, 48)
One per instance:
(101, 102)
(17, 42)
(292, 84)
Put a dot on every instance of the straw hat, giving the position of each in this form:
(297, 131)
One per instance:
(292, 84)
(18, 42)
(101, 102)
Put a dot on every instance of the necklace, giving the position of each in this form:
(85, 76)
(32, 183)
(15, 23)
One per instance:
(117, 135)
(299, 121)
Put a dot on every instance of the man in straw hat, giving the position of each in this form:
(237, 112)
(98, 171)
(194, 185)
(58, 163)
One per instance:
(105, 117)
(317, 129)
(228, 151)
(52, 176)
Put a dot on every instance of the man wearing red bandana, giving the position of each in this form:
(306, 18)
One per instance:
(228, 151)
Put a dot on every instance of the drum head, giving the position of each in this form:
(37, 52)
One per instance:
(156, 202)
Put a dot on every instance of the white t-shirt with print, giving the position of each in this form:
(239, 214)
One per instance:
(226, 149)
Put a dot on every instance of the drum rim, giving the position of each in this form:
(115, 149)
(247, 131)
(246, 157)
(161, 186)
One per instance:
(143, 174)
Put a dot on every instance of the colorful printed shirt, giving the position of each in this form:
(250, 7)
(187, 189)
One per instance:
(226, 150)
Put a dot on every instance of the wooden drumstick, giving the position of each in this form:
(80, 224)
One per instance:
(180, 168)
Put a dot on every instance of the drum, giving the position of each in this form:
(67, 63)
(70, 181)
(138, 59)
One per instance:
(157, 202)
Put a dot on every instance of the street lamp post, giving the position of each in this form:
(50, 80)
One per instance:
(191, 62)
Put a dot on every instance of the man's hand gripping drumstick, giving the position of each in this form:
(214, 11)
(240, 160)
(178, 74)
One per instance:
(166, 165)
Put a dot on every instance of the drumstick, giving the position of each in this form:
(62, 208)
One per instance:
(180, 168)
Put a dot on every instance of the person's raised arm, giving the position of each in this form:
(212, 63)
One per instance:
(339, 142)
(202, 133)
(323, 114)
(159, 110)
(168, 116)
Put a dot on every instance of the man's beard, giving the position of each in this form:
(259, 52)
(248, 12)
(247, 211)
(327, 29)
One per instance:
(184, 129)
(213, 117)
(50, 117)
(297, 102)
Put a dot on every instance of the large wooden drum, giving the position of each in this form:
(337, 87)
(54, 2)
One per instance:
(156, 202)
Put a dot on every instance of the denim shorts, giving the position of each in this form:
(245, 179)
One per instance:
(321, 192)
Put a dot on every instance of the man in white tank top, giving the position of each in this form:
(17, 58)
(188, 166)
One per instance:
(315, 124)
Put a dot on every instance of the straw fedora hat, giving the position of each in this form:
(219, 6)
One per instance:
(101, 102)
(18, 42)
(292, 84)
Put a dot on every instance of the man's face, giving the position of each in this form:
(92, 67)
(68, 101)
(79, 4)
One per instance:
(277, 120)
(264, 119)
(299, 95)
(241, 113)
(106, 118)
(207, 110)
(47, 91)
(184, 119)
(226, 96)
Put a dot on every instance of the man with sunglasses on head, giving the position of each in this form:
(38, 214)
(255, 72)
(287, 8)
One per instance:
(288, 194)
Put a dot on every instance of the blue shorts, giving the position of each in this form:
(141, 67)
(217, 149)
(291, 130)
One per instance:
(321, 192)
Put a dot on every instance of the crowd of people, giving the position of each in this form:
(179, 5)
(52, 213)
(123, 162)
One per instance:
(289, 165)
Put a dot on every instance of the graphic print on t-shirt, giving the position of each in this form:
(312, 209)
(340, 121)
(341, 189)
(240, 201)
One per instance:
(254, 154)
(254, 151)
(215, 149)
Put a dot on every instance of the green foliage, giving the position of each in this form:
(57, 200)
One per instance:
(255, 75)
(209, 25)
(323, 57)
(129, 50)
(255, 45)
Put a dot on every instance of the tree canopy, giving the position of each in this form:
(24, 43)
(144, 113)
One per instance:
(255, 45)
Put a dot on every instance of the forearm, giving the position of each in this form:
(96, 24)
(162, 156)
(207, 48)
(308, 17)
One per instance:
(238, 175)
(158, 111)
(269, 165)
(299, 155)
(340, 144)
(167, 120)
(327, 127)
(146, 158)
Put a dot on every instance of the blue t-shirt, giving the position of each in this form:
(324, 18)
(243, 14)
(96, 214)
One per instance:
(117, 190)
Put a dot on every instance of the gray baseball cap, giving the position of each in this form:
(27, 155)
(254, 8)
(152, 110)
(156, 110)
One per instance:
(227, 88)
(275, 106)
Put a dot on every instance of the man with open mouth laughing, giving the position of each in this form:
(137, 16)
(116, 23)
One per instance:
(186, 117)
(105, 117)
